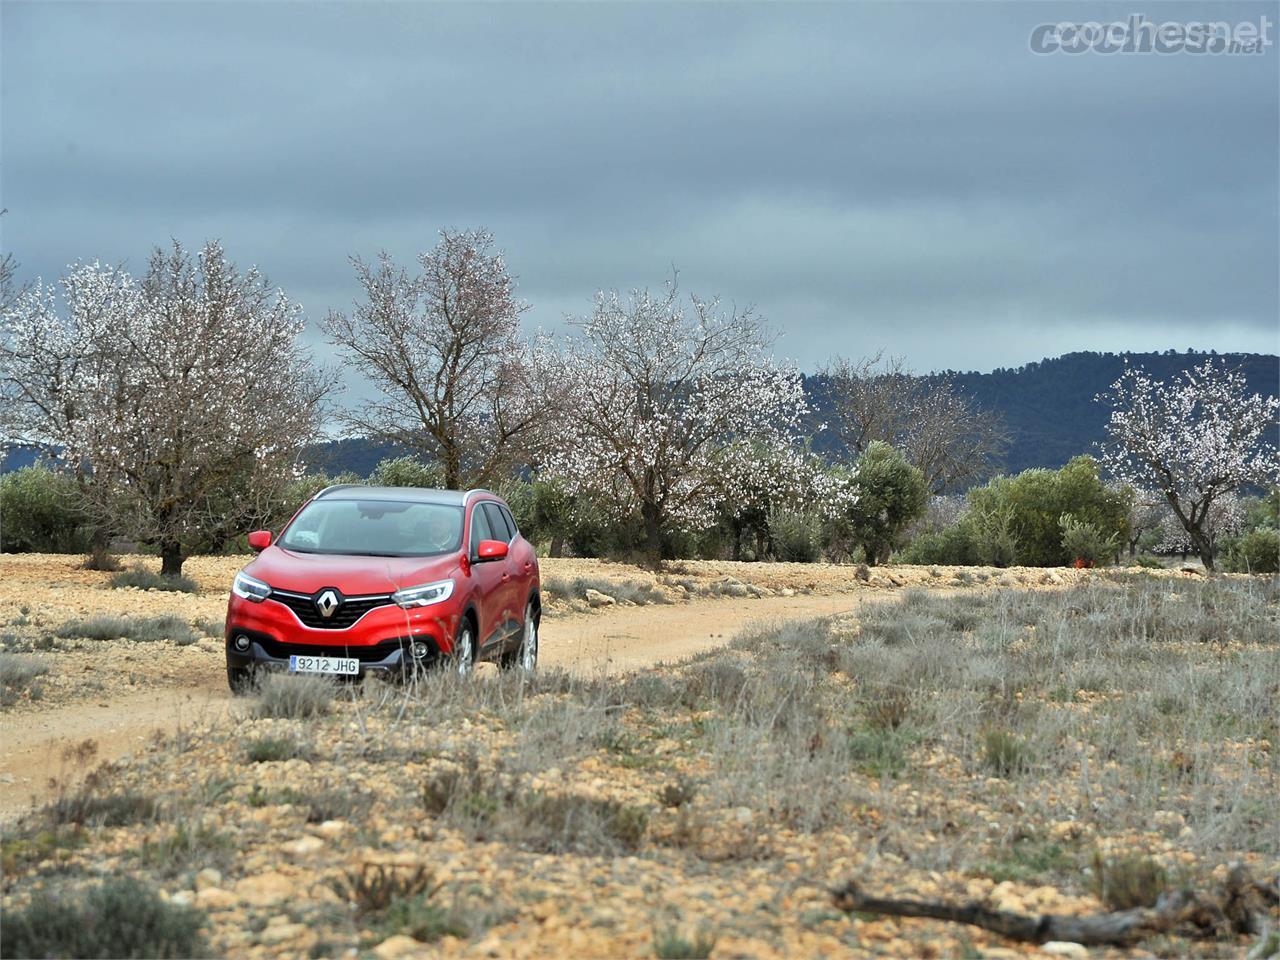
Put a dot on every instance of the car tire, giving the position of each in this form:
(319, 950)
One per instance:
(463, 658)
(240, 680)
(525, 656)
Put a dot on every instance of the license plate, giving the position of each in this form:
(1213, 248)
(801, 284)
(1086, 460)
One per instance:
(340, 665)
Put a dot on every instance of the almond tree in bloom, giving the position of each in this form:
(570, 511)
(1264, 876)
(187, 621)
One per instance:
(664, 401)
(759, 478)
(1195, 440)
(456, 382)
(184, 398)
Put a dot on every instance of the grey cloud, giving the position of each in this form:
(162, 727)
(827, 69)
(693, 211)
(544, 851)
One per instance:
(906, 176)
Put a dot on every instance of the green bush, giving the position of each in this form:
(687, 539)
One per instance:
(797, 536)
(120, 917)
(953, 546)
(892, 494)
(1255, 552)
(41, 512)
(406, 472)
(1084, 541)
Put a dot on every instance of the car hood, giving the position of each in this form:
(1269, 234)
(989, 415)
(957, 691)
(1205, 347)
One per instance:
(353, 576)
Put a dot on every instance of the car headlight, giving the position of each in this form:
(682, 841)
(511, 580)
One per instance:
(425, 595)
(247, 588)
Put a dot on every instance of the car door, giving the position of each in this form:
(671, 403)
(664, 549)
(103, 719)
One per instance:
(510, 588)
(522, 563)
(487, 577)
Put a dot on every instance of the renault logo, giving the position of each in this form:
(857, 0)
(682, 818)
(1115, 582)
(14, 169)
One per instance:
(327, 601)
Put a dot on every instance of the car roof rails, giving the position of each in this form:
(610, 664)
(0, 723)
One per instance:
(334, 488)
(466, 497)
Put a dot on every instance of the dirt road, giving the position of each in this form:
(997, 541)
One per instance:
(616, 640)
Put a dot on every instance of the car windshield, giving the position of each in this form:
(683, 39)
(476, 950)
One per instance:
(375, 528)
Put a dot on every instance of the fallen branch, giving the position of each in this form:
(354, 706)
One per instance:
(1237, 909)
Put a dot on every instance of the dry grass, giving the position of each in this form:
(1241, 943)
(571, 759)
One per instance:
(1104, 740)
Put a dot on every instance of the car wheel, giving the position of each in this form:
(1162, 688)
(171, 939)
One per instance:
(525, 656)
(463, 658)
(240, 680)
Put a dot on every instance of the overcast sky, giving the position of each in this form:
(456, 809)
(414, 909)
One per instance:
(904, 177)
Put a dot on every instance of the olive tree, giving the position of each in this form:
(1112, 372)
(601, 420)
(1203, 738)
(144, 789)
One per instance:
(184, 397)
(442, 347)
(664, 399)
(891, 495)
(1195, 439)
(938, 429)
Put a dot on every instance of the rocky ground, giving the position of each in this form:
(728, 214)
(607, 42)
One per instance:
(1012, 745)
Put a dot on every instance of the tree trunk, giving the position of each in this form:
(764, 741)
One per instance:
(1204, 547)
(652, 533)
(557, 544)
(171, 558)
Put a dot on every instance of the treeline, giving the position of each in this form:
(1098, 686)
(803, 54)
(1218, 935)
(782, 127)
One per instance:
(1039, 517)
(177, 409)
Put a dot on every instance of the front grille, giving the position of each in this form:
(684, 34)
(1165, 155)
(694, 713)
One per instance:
(372, 654)
(351, 609)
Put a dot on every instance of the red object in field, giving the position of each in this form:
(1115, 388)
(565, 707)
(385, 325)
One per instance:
(1083, 564)
(386, 579)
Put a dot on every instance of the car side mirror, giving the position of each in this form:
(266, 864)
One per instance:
(490, 550)
(259, 540)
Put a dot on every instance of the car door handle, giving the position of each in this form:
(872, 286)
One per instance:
(506, 577)
(528, 567)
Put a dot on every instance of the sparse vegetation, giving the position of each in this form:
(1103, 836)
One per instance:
(141, 578)
(118, 917)
(18, 674)
(961, 733)
(293, 697)
(275, 749)
(673, 943)
(140, 629)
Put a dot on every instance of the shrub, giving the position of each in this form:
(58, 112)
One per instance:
(797, 535)
(671, 943)
(120, 917)
(140, 629)
(953, 546)
(406, 472)
(1019, 518)
(1127, 882)
(1084, 541)
(144, 579)
(41, 512)
(274, 749)
(293, 697)
(1004, 754)
(17, 672)
(677, 794)
(1257, 551)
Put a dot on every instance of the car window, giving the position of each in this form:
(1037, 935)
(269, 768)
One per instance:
(479, 527)
(498, 523)
(511, 521)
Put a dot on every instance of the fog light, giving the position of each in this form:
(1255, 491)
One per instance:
(419, 650)
(242, 643)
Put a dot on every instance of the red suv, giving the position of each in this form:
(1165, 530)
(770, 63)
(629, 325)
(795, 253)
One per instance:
(386, 579)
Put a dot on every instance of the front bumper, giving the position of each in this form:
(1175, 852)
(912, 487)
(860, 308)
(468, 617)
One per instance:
(389, 656)
(382, 639)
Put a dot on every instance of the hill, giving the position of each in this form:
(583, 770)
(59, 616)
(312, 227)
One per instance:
(1048, 407)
